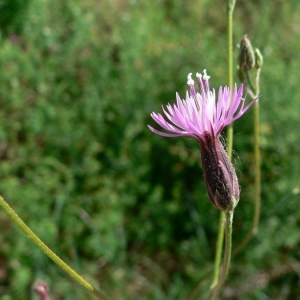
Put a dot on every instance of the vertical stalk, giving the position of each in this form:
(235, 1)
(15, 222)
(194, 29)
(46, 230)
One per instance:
(29, 233)
(219, 245)
(219, 248)
(257, 157)
(257, 168)
(227, 255)
(257, 183)
(230, 8)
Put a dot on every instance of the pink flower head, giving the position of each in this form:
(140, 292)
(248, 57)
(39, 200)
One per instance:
(201, 113)
(203, 117)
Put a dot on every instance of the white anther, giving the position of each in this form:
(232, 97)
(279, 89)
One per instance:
(198, 75)
(190, 81)
(205, 76)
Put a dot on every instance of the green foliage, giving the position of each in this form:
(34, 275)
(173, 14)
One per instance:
(126, 208)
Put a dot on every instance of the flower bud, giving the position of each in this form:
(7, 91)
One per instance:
(240, 75)
(41, 289)
(246, 59)
(258, 59)
(220, 176)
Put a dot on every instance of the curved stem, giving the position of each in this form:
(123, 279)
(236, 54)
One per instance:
(257, 182)
(251, 89)
(227, 255)
(12, 214)
(218, 255)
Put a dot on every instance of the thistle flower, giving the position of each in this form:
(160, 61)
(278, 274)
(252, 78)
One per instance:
(203, 116)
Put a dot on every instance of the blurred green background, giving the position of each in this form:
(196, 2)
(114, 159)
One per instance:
(126, 208)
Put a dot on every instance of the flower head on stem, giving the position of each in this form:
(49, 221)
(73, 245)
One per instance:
(203, 115)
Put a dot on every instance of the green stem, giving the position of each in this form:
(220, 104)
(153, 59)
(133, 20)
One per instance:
(12, 214)
(250, 88)
(227, 255)
(230, 8)
(218, 255)
(257, 182)
(257, 158)
(219, 248)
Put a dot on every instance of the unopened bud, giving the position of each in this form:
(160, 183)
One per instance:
(220, 176)
(41, 289)
(240, 75)
(246, 60)
(258, 59)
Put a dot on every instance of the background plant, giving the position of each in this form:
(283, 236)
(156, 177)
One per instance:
(128, 210)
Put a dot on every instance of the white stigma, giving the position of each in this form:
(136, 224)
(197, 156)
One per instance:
(205, 76)
(198, 75)
(190, 81)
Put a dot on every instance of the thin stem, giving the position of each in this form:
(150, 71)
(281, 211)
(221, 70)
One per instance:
(12, 214)
(219, 248)
(227, 255)
(257, 182)
(250, 88)
(218, 255)
(257, 158)
(230, 8)
(229, 141)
